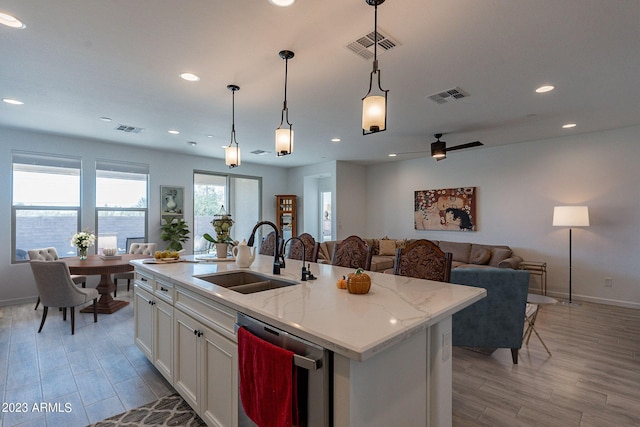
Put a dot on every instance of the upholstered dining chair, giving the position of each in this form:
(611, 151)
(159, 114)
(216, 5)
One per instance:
(134, 248)
(352, 252)
(311, 248)
(56, 289)
(50, 254)
(268, 244)
(423, 259)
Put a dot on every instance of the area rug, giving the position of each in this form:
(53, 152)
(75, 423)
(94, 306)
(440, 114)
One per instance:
(168, 411)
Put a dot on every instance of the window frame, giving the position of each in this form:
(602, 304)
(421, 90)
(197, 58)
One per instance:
(43, 160)
(124, 167)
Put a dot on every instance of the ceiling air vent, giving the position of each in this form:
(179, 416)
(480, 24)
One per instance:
(260, 152)
(448, 96)
(129, 129)
(363, 46)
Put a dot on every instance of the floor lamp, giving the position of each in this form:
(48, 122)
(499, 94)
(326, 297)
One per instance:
(570, 216)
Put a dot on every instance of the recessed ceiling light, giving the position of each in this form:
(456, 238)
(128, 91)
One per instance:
(12, 101)
(335, 140)
(173, 132)
(11, 21)
(105, 119)
(546, 88)
(190, 77)
(209, 136)
(282, 3)
(192, 143)
(569, 126)
(392, 155)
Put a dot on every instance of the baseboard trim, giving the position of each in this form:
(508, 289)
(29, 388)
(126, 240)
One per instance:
(596, 300)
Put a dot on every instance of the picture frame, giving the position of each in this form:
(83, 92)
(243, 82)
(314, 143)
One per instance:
(171, 203)
(446, 209)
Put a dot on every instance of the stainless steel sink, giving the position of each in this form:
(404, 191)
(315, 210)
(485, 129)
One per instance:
(246, 282)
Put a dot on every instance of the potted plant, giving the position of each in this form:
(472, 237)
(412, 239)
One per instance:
(222, 224)
(175, 231)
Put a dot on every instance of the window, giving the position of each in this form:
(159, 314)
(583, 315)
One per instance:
(45, 203)
(240, 196)
(121, 202)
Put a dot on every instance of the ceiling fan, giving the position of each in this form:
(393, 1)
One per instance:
(439, 148)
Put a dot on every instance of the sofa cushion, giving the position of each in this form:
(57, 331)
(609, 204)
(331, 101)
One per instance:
(387, 247)
(499, 255)
(479, 255)
(381, 263)
(459, 251)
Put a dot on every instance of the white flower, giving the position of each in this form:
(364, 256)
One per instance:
(83, 239)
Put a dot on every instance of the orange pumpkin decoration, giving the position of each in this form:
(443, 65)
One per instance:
(342, 283)
(358, 282)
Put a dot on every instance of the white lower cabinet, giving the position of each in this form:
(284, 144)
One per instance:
(154, 330)
(206, 371)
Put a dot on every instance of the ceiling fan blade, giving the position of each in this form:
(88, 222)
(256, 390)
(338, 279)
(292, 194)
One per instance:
(463, 146)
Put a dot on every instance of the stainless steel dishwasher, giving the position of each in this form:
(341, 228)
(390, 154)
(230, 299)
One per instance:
(314, 367)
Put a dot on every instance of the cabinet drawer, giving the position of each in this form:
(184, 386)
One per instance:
(164, 290)
(212, 314)
(144, 280)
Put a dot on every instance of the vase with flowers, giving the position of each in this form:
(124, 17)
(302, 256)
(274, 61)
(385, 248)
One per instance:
(222, 224)
(83, 241)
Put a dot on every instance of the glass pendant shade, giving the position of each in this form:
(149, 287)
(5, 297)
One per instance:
(284, 141)
(232, 156)
(374, 113)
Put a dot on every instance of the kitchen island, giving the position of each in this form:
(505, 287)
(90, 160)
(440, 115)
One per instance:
(391, 347)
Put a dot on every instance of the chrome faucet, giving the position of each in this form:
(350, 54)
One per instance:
(278, 260)
(306, 271)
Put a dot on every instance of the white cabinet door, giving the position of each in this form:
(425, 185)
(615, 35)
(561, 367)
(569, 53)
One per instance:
(185, 374)
(163, 339)
(143, 321)
(220, 399)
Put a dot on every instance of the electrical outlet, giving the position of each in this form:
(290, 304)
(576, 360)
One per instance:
(608, 282)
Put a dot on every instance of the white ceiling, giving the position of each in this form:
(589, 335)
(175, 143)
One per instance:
(79, 60)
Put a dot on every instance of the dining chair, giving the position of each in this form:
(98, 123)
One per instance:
(311, 248)
(56, 289)
(352, 252)
(423, 259)
(268, 244)
(50, 254)
(134, 248)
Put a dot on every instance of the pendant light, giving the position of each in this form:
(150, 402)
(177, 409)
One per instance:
(232, 152)
(374, 106)
(284, 136)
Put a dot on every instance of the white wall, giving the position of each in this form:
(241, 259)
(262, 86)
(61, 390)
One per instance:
(517, 188)
(16, 283)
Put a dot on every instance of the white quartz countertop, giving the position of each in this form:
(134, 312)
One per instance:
(356, 326)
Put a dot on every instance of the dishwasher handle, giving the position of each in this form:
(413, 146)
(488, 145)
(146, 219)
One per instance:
(300, 361)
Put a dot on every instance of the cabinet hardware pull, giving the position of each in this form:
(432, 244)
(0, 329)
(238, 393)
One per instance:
(164, 289)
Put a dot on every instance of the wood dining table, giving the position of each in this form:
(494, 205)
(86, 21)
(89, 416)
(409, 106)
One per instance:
(96, 265)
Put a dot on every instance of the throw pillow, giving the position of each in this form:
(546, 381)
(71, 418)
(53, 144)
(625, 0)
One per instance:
(499, 255)
(480, 256)
(401, 243)
(387, 247)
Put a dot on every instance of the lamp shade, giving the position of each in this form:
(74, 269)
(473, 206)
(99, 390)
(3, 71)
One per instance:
(374, 113)
(284, 141)
(232, 156)
(571, 216)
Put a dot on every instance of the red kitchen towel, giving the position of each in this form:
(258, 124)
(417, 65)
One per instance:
(267, 381)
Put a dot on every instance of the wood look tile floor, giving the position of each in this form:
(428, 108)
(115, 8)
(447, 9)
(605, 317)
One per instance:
(96, 373)
(591, 379)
